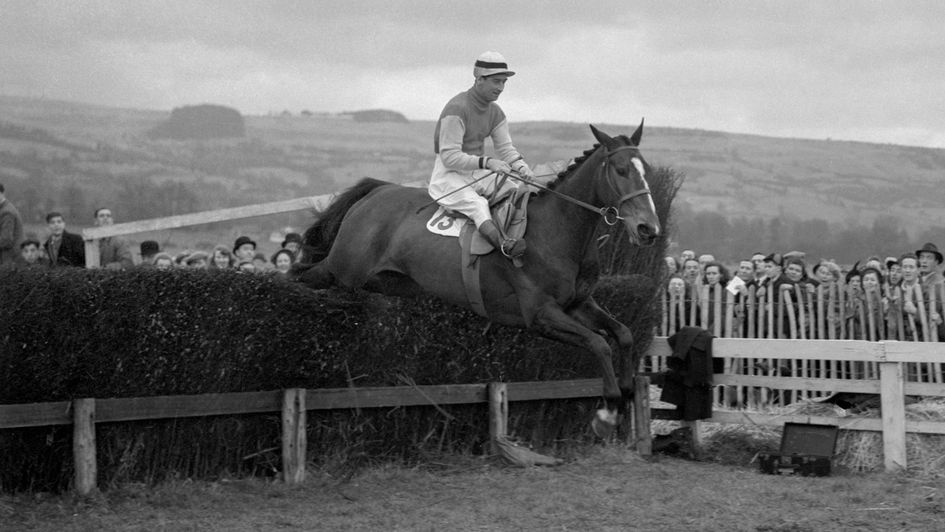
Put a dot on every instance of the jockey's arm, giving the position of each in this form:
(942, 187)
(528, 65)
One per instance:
(452, 130)
(502, 142)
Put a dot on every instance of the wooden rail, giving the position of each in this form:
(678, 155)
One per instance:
(891, 385)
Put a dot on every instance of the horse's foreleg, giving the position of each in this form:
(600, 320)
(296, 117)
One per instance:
(551, 321)
(592, 316)
(315, 276)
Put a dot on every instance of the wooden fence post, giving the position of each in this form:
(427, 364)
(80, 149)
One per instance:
(641, 415)
(83, 445)
(293, 435)
(498, 413)
(893, 403)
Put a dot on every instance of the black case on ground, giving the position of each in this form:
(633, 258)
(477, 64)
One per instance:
(806, 450)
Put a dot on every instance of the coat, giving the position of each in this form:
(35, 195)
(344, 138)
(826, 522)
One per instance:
(11, 233)
(688, 383)
(71, 251)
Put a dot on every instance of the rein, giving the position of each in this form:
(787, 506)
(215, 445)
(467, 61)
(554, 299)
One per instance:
(610, 214)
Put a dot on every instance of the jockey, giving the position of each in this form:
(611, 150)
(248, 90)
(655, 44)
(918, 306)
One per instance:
(458, 141)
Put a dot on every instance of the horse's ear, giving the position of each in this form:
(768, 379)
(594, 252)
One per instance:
(602, 137)
(637, 135)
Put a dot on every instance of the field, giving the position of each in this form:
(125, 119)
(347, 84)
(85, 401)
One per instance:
(604, 488)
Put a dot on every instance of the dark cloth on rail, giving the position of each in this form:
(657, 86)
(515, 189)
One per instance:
(688, 382)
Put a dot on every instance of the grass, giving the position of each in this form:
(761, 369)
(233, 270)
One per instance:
(605, 488)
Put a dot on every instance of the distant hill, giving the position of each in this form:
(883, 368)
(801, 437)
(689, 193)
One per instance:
(70, 155)
(201, 122)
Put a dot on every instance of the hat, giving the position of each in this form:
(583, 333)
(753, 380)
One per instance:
(243, 240)
(195, 256)
(292, 237)
(854, 272)
(890, 261)
(149, 247)
(490, 64)
(795, 254)
(774, 257)
(930, 248)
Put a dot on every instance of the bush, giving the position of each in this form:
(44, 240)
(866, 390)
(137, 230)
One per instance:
(72, 333)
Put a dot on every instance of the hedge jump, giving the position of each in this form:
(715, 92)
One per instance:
(294, 403)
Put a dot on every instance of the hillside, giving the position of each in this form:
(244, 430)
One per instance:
(68, 156)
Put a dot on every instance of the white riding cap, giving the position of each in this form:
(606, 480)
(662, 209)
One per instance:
(490, 64)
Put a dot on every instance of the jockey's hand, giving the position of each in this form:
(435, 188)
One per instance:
(498, 166)
(523, 170)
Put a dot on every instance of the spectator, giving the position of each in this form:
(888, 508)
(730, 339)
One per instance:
(197, 260)
(872, 281)
(692, 273)
(687, 254)
(222, 259)
(704, 259)
(282, 260)
(773, 275)
(672, 267)
(29, 253)
(114, 253)
(181, 258)
(893, 273)
(827, 273)
(149, 248)
(758, 259)
(293, 243)
(163, 261)
(260, 262)
(244, 249)
(11, 230)
(715, 275)
(62, 247)
(929, 260)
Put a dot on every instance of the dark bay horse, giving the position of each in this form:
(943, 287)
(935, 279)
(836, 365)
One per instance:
(372, 236)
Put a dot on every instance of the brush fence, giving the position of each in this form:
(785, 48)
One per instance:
(890, 359)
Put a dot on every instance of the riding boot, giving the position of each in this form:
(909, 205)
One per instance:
(510, 247)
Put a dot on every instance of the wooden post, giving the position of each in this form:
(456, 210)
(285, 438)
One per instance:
(294, 441)
(92, 256)
(498, 413)
(83, 445)
(893, 403)
(641, 415)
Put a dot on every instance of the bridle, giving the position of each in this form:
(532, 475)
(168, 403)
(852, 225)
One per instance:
(610, 214)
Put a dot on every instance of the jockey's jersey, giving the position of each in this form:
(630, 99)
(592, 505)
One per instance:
(464, 124)
(477, 118)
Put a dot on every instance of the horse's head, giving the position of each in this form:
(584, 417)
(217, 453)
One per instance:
(622, 185)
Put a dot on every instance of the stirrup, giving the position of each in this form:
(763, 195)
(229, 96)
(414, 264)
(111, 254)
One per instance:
(512, 248)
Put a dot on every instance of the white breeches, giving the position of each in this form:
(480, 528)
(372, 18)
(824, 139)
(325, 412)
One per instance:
(471, 201)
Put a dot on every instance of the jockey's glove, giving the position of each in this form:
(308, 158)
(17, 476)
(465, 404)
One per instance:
(498, 166)
(523, 170)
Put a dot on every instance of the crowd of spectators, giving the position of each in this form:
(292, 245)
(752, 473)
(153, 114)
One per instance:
(61, 248)
(896, 286)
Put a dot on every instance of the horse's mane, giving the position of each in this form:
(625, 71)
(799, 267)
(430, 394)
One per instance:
(578, 161)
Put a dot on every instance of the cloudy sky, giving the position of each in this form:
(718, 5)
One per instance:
(865, 70)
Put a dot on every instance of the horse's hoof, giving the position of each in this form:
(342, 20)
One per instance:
(604, 423)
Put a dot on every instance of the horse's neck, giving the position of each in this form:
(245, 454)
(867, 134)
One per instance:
(568, 228)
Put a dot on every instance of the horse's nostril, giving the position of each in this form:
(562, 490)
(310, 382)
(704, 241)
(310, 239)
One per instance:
(644, 231)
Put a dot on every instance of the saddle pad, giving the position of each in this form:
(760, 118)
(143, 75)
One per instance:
(444, 223)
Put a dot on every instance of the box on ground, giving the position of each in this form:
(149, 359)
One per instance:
(806, 450)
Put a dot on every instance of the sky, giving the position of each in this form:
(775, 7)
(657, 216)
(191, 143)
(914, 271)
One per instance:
(848, 70)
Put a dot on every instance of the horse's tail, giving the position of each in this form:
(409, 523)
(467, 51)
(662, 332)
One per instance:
(317, 239)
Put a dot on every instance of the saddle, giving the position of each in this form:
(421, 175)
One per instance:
(509, 208)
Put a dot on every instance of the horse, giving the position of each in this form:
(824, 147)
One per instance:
(373, 236)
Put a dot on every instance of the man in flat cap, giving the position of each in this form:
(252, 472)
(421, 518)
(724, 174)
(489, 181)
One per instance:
(465, 122)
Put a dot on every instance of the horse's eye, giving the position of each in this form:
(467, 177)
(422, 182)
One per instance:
(622, 171)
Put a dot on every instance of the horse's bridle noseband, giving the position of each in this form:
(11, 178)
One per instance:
(611, 214)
